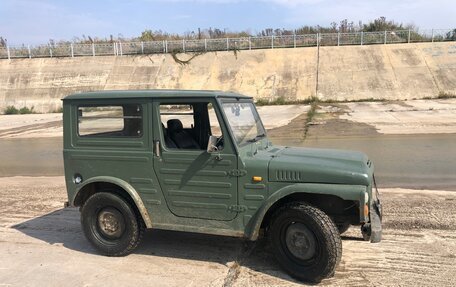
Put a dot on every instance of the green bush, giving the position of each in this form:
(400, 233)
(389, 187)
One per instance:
(58, 110)
(26, 110)
(11, 110)
(446, 95)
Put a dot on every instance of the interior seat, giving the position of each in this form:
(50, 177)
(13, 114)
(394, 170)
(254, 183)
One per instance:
(168, 141)
(182, 138)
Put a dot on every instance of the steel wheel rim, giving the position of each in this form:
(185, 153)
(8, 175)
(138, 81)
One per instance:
(110, 223)
(300, 241)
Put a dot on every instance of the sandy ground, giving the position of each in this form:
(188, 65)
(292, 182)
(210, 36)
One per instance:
(399, 117)
(31, 125)
(50, 125)
(407, 117)
(371, 118)
(41, 244)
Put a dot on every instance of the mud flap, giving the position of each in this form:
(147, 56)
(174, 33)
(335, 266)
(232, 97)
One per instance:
(376, 221)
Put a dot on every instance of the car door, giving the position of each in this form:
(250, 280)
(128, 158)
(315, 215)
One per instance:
(195, 183)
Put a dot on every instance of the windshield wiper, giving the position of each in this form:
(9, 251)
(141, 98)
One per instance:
(256, 138)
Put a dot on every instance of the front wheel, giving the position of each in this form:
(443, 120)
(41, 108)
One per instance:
(110, 224)
(305, 242)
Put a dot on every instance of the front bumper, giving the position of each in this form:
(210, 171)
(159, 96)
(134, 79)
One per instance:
(375, 221)
(375, 216)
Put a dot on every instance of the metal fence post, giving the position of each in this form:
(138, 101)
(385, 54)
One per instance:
(236, 43)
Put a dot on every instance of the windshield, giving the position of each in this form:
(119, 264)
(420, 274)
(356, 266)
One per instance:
(244, 121)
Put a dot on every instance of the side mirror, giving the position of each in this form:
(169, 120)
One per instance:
(212, 144)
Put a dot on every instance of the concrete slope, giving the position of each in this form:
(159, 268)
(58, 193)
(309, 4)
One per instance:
(351, 72)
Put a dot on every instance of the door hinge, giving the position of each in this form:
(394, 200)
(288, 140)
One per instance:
(237, 172)
(237, 208)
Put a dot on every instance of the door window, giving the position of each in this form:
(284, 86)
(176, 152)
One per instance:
(189, 125)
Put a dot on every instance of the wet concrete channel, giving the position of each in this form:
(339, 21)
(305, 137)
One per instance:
(418, 161)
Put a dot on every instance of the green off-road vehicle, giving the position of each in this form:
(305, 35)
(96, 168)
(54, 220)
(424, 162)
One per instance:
(200, 161)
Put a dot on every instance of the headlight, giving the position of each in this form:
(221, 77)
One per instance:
(366, 197)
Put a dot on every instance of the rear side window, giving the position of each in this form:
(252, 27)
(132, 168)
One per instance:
(110, 121)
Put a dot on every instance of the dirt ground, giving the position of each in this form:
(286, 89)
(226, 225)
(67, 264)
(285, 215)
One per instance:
(371, 118)
(41, 244)
(342, 119)
(50, 125)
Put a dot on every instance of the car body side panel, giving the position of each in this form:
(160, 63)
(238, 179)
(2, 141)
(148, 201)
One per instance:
(129, 164)
(195, 183)
(125, 162)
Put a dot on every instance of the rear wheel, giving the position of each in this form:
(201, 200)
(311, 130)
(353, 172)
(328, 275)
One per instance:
(110, 224)
(305, 242)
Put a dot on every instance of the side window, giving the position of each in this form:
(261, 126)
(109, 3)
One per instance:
(110, 120)
(189, 125)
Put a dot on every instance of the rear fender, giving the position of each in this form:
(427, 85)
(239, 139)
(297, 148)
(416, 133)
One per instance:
(125, 186)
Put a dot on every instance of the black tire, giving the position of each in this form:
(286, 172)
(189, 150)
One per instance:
(296, 224)
(366, 231)
(110, 224)
(343, 227)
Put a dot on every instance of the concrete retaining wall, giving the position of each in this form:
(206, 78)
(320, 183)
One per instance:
(351, 72)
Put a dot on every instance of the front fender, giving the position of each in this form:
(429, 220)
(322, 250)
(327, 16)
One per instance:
(345, 192)
(125, 186)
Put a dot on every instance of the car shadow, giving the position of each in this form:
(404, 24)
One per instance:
(351, 238)
(63, 227)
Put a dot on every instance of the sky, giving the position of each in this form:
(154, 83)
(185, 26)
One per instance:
(36, 22)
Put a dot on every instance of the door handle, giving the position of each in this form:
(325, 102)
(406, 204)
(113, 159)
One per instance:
(157, 148)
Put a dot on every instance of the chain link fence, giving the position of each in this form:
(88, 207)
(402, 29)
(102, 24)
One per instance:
(226, 44)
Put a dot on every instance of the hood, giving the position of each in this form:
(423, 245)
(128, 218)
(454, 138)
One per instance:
(311, 165)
